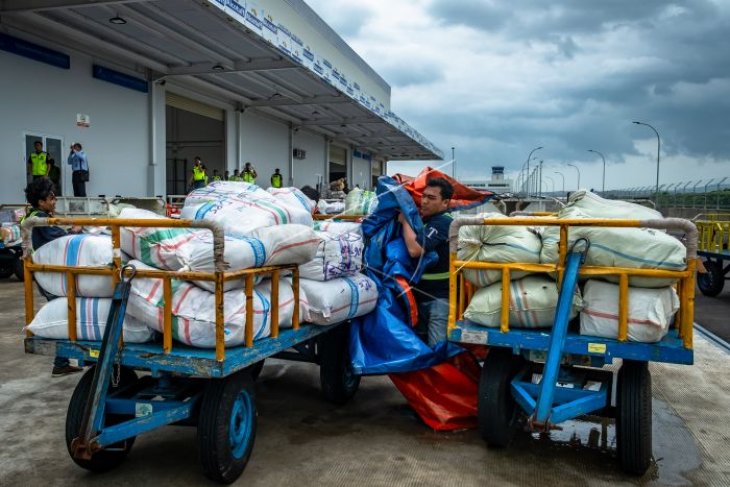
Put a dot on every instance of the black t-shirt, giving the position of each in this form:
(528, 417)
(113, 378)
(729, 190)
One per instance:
(436, 237)
(43, 235)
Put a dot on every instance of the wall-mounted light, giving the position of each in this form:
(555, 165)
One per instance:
(117, 20)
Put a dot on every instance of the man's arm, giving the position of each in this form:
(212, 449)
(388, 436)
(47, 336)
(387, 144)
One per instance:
(410, 238)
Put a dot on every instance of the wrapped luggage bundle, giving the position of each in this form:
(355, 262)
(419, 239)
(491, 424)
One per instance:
(533, 301)
(494, 243)
(91, 316)
(640, 248)
(651, 311)
(325, 303)
(193, 310)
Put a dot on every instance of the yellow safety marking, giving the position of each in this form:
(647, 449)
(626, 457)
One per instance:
(597, 348)
(93, 353)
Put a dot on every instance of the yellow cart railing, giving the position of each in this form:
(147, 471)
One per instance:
(459, 292)
(219, 276)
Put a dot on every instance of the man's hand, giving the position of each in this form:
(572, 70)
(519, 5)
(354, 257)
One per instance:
(77, 229)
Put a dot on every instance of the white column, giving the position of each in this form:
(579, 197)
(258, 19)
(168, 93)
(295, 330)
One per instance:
(157, 168)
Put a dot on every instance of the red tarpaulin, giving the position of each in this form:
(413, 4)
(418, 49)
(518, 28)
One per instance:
(464, 197)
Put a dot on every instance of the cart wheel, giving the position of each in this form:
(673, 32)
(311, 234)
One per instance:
(227, 426)
(497, 411)
(712, 282)
(336, 378)
(115, 454)
(633, 419)
(18, 270)
(256, 369)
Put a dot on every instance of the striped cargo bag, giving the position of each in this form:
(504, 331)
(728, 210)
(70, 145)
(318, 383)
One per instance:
(340, 299)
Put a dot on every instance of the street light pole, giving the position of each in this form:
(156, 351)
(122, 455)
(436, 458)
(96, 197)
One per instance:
(603, 184)
(453, 162)
(528, 167)
(552, 182)
(658, 150)
(562, 176)
(578, 170)
(539, 177)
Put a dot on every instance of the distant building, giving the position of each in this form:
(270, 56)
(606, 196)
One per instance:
(497, 183)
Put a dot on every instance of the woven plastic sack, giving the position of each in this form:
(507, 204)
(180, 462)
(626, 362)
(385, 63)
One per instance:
(641, 248)
(533, 301)
(337, 256)
(91, 315)
(293, 197)
(193, 310)
(493, 243)
(241, 208)
(331, 207)
(651, 311)
(340, 299)
(337, 228)
(593, 206)
(81, 251)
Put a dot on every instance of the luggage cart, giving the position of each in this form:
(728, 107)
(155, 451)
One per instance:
(714, 246)
(212, 390)
(543, 377)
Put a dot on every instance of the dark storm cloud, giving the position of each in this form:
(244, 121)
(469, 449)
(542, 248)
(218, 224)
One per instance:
(399, 75)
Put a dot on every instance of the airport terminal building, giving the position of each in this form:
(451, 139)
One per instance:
(145, 86)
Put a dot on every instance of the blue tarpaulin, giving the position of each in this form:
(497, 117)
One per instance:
(383, 341)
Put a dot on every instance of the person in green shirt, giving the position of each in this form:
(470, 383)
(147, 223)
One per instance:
(249, 173)
(276, 179)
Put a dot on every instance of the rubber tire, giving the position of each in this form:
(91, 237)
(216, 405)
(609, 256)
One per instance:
(497, 412)
(336, 378)
(633, 417)
(18, 269)
(103, 460)
(712, 282)
(220, 398)
(6, 272)
(255, 369)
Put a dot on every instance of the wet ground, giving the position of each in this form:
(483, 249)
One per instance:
(375, 440)
(714, 313)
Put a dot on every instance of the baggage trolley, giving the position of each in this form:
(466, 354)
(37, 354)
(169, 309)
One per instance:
(211, 389)
(714, 246)
(540, 378)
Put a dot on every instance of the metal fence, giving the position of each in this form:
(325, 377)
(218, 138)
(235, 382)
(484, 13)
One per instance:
(706, 194)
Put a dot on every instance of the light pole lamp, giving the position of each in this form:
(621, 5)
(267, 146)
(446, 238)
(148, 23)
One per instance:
(603, 184)
(528, 166)
(658, 150)
(453, 162)
(562, 176)
(578, 171)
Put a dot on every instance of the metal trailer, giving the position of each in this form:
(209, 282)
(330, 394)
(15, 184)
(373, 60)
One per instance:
(714, 247)
(211, 389)
(547, 376)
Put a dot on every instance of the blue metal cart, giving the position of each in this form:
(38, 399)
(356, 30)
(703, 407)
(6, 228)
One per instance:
(541, 378)
(211, 389)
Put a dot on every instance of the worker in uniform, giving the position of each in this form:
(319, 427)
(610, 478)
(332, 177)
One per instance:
(236, 176)
(79, 169)
(216, 176)
(276, 179)
(198, 178)
(38, 161)
(249, 173)
(432, 291)
(42, 199)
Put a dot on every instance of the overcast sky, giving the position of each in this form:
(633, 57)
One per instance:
(496, 79)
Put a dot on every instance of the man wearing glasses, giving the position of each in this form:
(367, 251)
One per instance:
(42, 200)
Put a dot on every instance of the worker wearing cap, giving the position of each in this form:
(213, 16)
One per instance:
(199, 176)
(276, 179)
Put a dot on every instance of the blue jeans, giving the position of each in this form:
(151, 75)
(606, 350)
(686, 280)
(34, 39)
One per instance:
(433, 316)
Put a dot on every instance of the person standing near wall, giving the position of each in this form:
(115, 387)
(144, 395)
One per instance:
(80, 169)
(38, 161)
(227, 176)
(54, 174)
(197, 180)
(276, 179)
(216, 176)
(249, 173)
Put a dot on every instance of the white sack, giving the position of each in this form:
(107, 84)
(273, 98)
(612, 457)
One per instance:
(331, 207)
(593, 206)
(533, 301)
(51, 321)
(324, 303)
(337, 227)
(193, 310)
(493, 243)
(641, 248)
(77, 251)
(359, 202)
(650, 311)
(293, 197)
(241, 208)
(337, 256)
